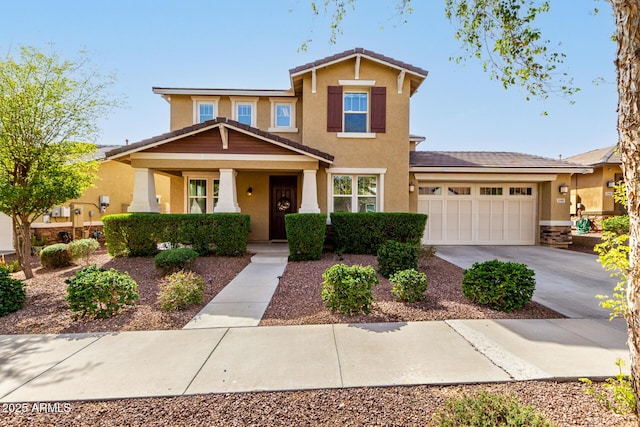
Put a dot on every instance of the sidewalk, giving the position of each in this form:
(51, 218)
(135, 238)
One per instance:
(36, 368)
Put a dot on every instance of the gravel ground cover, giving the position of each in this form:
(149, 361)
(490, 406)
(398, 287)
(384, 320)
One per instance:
(46, 311)
(564, 403)
(297, 300)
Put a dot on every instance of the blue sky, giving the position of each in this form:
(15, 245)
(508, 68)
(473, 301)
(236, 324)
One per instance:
(252, 44)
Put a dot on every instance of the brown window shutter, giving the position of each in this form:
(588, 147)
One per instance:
(334, 109)
(379, 109)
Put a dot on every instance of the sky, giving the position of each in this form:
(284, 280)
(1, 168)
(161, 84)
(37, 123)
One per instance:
(252, 44)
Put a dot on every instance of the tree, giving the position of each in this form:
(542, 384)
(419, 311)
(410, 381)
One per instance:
(46, 105)
(502, 33)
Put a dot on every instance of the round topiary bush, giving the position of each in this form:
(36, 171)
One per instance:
(348, 289)
(12, 293)
(176, 259)
(55, 256)
(83, 248)
(503, 286)
(408, 285)
(99, 292)
(395, 256)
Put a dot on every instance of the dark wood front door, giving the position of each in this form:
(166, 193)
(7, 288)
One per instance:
(282, 201)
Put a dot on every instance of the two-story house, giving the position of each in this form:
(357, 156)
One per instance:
(339, 140)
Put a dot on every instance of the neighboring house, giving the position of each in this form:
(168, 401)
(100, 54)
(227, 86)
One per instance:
(592, 193)
(338, 140)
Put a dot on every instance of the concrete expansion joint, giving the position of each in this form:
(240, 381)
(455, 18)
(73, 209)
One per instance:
(512, 365)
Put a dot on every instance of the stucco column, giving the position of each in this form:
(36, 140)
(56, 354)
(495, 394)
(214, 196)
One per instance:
(144, 192)
(309, 193)
(227, 195)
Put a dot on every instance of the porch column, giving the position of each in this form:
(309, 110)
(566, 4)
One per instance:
(227, 195)
(144, 192)
(309, 193)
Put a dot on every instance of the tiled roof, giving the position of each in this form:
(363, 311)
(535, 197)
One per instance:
(355, 51)
(606, 155)
(137, 146)
(483, 159)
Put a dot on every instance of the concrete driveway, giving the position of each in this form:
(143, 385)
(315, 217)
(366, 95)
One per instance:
(566, 281)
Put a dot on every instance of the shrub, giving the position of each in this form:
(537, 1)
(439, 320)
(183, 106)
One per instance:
(408, 285)
(395, 256)
(618, 395)
(175, 259)
(183, 288)
(99, 292)
(55, 256)
(83, 248)
(617, 224)
(363, 232)
(305, 234)
(503, 286)
(12, 293)
(139, 234)
(348, 289)
(12, 266)
(486, 409)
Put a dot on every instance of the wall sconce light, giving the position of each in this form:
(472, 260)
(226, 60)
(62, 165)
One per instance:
(611, 184)
(249, 191)
(564, 189)
(412, 187)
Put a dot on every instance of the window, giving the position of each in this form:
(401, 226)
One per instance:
(197, 196)
(356, 107)
(283, 115)
(244, 110)
(204, 108)
(459, 191)
(361, 197)
(358, 111)
(216, 191)
(491, 191)
(429, 191)
(520, 191)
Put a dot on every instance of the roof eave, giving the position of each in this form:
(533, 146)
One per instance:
(496, 169)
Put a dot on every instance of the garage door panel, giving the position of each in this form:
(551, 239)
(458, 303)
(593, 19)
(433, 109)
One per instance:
(459, 221)
(520, 221)
(434, 231)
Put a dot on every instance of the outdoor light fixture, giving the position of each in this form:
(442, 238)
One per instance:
(611, 184)
(249, 191)
(564, 189)
(412, 187)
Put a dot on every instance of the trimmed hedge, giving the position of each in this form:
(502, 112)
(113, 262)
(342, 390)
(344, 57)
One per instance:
(347, 289)
(173, 260)
(137, 234)
(55, 256)
(305, 234)
(363, 232)
(13, 293)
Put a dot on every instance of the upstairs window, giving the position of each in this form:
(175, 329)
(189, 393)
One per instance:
(205, 112)
(244, 114)
(283, 115)
(356, 112)
(204, 108)
(244, 110)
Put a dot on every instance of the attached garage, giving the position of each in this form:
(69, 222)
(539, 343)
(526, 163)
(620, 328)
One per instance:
(479, 213)
(6, 234)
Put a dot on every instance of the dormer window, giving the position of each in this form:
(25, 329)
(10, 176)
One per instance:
(204, 108)
(356, 112)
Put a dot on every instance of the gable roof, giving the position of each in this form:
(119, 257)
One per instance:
(416, 74)
(454, 161)
(210, 124)
(600, 156)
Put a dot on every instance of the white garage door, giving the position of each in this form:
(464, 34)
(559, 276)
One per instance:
(6, 235)
(479, 213)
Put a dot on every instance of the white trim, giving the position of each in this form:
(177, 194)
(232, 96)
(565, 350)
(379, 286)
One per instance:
(291, 102)
(205, 156)
(370, 58)
(356, 171)
(222, 92)
(356, 71)
(556, 223)
(401, 81)
(360, 135)
(208, 177)
(484, 177)
(197, 100)
(356, 82)
(237, 101)
(498, 169)
(313, 80)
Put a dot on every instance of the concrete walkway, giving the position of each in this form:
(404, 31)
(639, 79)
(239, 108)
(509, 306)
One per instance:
(36, 368)
(566, 281)
(244, 300)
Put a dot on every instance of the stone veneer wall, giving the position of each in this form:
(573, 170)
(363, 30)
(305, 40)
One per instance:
(52, 234)
(555, 235)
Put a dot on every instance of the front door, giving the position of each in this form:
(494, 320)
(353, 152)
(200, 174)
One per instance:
(282, 201)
